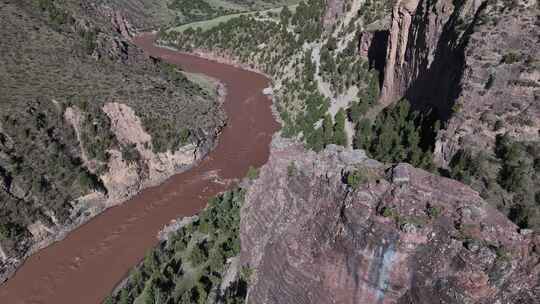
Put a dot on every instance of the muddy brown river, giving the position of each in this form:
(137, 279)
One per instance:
(85, 266)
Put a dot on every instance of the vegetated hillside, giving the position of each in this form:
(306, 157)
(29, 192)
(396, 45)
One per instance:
(444, 86)
(189, 11)
(324, 81)
(313, 74)
(153, 14)
(198, 262)
(85, 119)
(142, 14)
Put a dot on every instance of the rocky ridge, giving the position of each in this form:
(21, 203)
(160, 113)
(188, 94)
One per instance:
(399, 235)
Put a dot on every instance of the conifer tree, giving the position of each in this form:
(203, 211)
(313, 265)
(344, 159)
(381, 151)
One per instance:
(363, 134)
(340, 137)
(328, 129)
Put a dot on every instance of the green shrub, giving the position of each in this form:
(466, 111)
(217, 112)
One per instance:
(515, 169)
(291, 169)
(108, 300)
(389, 213)
(130, 153)
(355, 179)
(10, 231)
(166, 278)
(89, 40)
(253, 173)
(340, 136)
(511, 57)
(399, 135)
(198, 255)
(434, 211)
(90, 181)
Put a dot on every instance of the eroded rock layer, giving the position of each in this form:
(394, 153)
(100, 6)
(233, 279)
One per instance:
(475, 63)
(390, 235)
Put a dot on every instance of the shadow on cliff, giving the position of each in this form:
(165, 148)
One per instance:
(377, 53)
(438, 86)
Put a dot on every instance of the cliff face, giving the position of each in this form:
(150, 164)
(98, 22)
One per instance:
(425, 51)
(500, 85)
(392, 235)
(473, 62)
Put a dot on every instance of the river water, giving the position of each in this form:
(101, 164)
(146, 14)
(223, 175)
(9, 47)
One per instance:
(85, 266)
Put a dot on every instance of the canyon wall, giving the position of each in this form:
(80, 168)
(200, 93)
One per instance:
(396, 235)
(425, 52)
(473, 62)
(500, 86)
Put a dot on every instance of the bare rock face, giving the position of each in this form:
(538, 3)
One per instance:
(373, 47)
(500, 87)
(334, 9)
(122, 25)
(402, 235)
(402, 15)
(128, 129)
(474, 62)
(425, 51)
(124, 178)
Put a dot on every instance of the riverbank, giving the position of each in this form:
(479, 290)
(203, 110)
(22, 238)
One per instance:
(87, 207)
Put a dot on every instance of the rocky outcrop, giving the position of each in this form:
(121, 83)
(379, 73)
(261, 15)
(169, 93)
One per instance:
(122, 25)
(373, 46)
(123, 178)
(500, 86)
(334, 10)
(126, 177)
(474, 59)
(397, 45)
(425, 49)
(398, 235)
(129, 130)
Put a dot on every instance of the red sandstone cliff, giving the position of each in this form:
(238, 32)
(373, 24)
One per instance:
(474, 62)
(402, 236)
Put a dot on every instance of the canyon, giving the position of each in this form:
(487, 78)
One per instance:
(450, 86)
(86, 265)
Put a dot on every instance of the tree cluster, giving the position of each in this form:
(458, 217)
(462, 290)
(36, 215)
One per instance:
(190, 266)
(398, 134)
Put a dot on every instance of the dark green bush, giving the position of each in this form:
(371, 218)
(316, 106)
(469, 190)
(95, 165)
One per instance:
(355, 179)
(399, 135)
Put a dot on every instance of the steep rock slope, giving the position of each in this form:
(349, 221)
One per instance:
(86, 120)
(425, 51)
(500, 87)
(337, 227)
(474, 62)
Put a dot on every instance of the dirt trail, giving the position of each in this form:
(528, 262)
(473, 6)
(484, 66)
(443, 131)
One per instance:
(90, 261)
